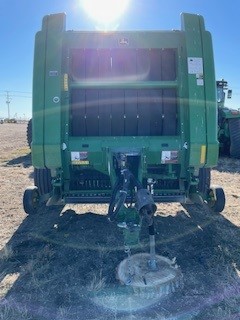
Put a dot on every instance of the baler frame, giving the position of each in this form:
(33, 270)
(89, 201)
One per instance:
(92, 96)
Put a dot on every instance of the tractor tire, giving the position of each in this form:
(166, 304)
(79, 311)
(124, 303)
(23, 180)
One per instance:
(204, 181)
(31, 200)
(217, 204)
(43, 180)
(29, 133)
(234, 130)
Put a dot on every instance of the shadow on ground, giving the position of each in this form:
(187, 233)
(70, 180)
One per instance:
(59, 262)
(24, 161)
(226, 164)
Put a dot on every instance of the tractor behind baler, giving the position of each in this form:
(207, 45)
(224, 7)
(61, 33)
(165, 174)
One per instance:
(124, 118)
(228, 123)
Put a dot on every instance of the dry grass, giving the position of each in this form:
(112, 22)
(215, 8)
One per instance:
(52, 265)
(97, 282)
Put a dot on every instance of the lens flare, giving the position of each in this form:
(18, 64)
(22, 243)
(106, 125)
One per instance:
(105, 12)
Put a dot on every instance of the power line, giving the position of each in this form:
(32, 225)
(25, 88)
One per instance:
(22, 92)
(9, 96)
(14, 95)
(28, 92)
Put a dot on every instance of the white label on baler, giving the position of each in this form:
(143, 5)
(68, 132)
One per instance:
(169, 157)
(199, 77)
(53, 73)
(200, 82)
(79, 158)
(195, 65)
(75, 156)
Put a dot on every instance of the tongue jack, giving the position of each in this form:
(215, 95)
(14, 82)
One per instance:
(152, 263)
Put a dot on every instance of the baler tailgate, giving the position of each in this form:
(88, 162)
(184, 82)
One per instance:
(129, 112)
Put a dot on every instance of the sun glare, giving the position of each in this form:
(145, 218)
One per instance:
(105, 12)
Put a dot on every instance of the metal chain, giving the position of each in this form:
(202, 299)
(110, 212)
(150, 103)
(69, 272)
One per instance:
(127, 250)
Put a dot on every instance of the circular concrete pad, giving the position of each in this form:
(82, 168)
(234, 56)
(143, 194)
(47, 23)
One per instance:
(122, 300)
(146, 287)
(147, 283)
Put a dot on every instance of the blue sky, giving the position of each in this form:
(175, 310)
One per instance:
(21, 19)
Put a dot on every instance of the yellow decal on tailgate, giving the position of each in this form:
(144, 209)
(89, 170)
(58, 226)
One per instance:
(203, 154)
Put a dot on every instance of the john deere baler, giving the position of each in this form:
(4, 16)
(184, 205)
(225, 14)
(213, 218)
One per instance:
(123, 111)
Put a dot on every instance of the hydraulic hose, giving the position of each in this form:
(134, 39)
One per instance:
(120, 191)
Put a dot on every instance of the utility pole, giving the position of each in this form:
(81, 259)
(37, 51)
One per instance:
(8, 100)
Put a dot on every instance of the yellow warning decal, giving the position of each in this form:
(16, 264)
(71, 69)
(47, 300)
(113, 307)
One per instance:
(203, 154)
(81, 162)
(65, 82)
(79, 158)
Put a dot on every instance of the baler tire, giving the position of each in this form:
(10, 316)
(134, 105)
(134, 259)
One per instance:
(204, 181)
(218, 205)
(43, 180)
(234, 131)
(31, 200)
(29, 133)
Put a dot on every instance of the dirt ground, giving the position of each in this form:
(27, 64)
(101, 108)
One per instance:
(62, 262)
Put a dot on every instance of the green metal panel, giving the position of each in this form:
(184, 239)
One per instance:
(125, 84)
(47, 82)
(150, 148)
(136, 39)
(55, 25)
(38, 101)
(211, 101)
(196, 93)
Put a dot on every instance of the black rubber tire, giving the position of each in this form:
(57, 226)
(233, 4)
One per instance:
(234, 130)
(43, 180)
(29, 133)
(204, 181)
(218, 205)
(31, 200)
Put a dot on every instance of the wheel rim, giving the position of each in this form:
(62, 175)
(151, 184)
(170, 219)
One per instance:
(211, 201)
(35, 199)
